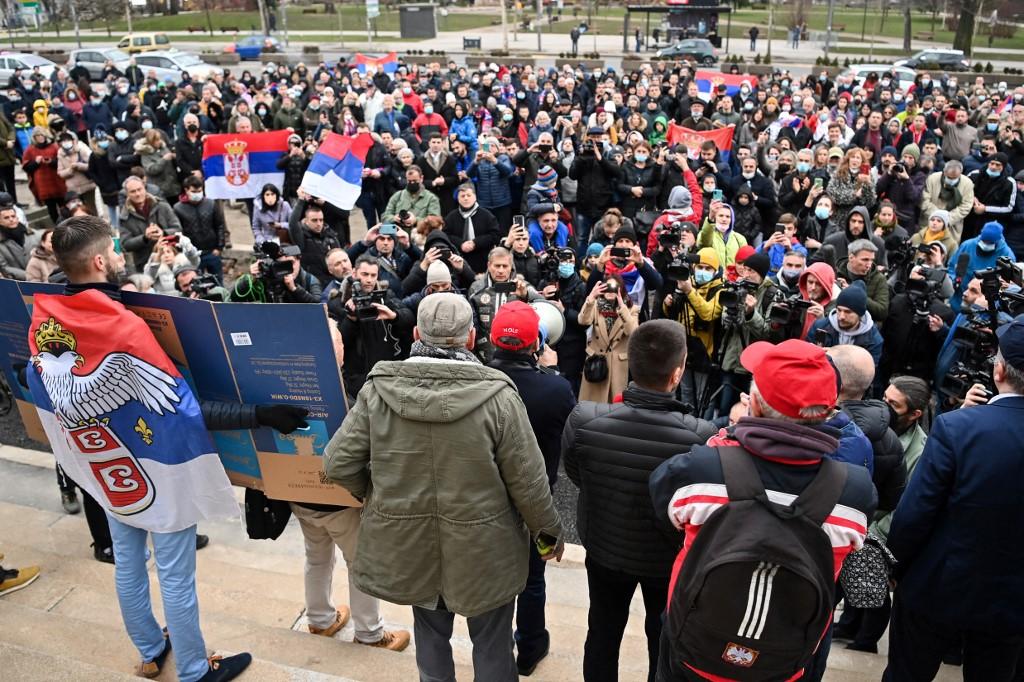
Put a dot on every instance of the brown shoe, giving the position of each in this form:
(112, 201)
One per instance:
(339, 623)
(393, 641)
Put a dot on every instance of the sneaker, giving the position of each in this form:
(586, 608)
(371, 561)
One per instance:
(150, 669)
(202, 541)
(392, 641)
(70, 503)
(13, 579)
(223, 669)
(339, 623)
(104, 554)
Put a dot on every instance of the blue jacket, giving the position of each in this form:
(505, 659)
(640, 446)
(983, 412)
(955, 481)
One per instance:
(537, 237)
(381, 122)
(492, 187)
(854, 446)
(97, 115)
(465, 130)
(776, 253)
(979, 260)
(956, 531)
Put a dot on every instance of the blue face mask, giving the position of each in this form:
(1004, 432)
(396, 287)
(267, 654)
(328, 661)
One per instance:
(702, 277)
(565, 270)
(822, 213)
(992, 126)
(993, 173)
(641, 158)
(103, 144)
(791, 274)
(803, 167)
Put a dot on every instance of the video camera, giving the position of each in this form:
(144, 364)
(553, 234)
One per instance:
(1006, 270)
(732, 299)
(980, 346)
(550, 258)
(788, 311)
(203, 285)
(363, 302)
(273, 270)
(679, 269)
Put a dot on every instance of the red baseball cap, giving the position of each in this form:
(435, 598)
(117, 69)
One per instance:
(515, 320)
(792, 376)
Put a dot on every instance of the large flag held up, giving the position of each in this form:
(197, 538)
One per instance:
(335, 173)
(693, 139)
(709, 80)
(237, 166)
(388, 63)
(121, 419)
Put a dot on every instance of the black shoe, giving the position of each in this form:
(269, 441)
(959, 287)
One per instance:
(527, 666)
(104, 554)
(840, 632)
(222, 669)
(867, 648)
(69, 501)
(202, 541)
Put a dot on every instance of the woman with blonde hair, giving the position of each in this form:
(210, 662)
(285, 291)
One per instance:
(158, 161)
(850, 186)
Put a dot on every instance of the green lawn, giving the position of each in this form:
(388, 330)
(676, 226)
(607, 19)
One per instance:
(67, 41)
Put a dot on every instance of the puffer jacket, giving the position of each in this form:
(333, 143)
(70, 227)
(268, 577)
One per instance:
(492, 188)
(203, 223)
(14, 257)
(647, 178)
(609, 452)
(160, 171)
(453, 483)
(890, 470)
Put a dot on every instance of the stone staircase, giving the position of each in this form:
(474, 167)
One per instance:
(67, 626)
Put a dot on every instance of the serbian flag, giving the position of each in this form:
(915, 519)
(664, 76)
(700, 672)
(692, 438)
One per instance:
(693, 139)
(709, 80)
(1006, 105)
(236, 166)
(121, 420)
(388, 63)
(335, 173)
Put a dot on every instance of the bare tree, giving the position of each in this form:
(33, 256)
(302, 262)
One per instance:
(907, 27)
(964, 37)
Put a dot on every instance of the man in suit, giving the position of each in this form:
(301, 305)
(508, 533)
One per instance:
(955, 535)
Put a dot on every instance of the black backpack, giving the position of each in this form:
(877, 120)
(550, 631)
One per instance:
(757, 589)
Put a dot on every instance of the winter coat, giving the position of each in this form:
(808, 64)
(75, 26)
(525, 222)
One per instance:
(840, 241)
(202, 223)
(492, 188)
(905, 194)
(959, 201)
(132, 226)
(160, 171)
(465, 130)
(890, 471)
(423, 204)
(188, 156)
(647, 178)
(843, 192)
(40, 266)
(7, 155)
(40, 163)
(294, 168)
(596, 180)
(913, 442)
(866, 335)
(262, 222)
(14, 257)
(73, 167)
(487, 234)
(284, 119)
(613, 344)
(454, 486)
(609, 451)
(725, 245)
(103, 172)
(999, 195)
(979, 260)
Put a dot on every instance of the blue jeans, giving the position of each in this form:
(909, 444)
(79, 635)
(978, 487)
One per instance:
(366, 203)
(531, 635)
(584, 226)
(175, 555)
(208, 262)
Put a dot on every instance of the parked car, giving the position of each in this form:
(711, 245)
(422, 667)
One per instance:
(169, 65)
(904, 75)
(937, 58)
(10, 61)
(135, 43)
(251, 47)
(95, 58)
(695, 49)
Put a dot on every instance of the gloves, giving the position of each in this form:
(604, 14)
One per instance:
(283, 418)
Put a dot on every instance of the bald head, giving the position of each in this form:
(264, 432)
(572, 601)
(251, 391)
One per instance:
(856, 370)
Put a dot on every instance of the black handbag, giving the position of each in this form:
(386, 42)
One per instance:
(865, 574)
(595, 369)
(265, 519)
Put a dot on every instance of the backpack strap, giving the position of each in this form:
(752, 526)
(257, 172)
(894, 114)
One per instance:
(819, 498)
(742, 481)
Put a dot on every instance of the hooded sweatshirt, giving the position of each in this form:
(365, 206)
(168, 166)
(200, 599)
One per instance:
(726, 244)
(827, 277)
(841, 242)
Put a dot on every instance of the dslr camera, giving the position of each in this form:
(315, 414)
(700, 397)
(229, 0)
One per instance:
(732, 299)
(363, 302)
(273, 270)
(671, 235)
(204, 284)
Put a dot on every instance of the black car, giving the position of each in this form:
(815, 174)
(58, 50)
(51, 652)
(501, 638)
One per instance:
(695, 49)
(946, 60)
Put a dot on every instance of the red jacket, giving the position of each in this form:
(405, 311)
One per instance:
(40, 163)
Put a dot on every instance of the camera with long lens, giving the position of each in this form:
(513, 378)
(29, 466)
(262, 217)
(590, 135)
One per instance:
(272, 269)
(922, 293)
(549, 261)
(670, 235)
(363, 301)
(980, 345)
(203, 285)
(680, 268)
(732, 299)
(788, 311)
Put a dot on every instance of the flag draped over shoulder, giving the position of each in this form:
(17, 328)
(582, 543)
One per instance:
(722, 137)
(237, 166)
(335, 172)
(122, 421)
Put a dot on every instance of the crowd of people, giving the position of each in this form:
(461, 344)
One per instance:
(827, 287)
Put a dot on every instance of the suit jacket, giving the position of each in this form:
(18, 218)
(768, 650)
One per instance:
(956, 531)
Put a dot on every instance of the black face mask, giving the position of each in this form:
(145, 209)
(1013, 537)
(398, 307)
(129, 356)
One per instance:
(192, 128)
(413, 187)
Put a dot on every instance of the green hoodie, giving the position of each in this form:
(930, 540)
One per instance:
(443, 454)
(657, 134)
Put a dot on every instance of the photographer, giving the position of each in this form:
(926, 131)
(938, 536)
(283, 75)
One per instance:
(294, 163)
(626, 260)
(393, 250)
(374, 327)
(407, 206)
(612, 317)
(492, 290)
(979, 253)
(276, 277)
(524, 258)
(596, 176)
(694, 304)
(903, 185)
(144, 220)
(438, 247)
(190, 284)
(745, 307)
(169, 253)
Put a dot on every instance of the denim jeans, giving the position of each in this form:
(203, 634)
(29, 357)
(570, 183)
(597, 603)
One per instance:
(212, 264)
(175, 555)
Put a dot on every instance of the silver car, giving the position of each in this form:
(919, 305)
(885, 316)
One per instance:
(95, 58)
(168, 65)
(10, 61)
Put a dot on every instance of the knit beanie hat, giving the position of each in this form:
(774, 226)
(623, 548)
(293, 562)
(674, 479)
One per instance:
(854, 297)
(912, 150)
(679, 197)
(708, 256)
(759, 263)
(437, 273)
(546, 174)
(992, 233)
(594, 249)
(942, 215)
(624, 232)
(745, 252)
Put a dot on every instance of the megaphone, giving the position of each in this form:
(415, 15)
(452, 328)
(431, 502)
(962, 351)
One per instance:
(551, 319)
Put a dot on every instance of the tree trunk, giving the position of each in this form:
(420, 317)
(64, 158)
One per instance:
(907, 27)
(964, 37)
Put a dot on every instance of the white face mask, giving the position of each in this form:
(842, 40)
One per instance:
(749, 175)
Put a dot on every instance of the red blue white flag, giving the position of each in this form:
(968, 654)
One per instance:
(693, 139)
(709, 80)
(335, 172)
(237, 166)
(388, 63)
(122, 421)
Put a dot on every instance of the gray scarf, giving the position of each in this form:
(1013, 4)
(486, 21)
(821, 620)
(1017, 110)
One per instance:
(468, 233)
(422, 349)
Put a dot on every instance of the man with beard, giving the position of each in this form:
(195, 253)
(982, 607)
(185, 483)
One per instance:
(849, 324)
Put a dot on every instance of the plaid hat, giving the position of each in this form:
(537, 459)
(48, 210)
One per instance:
(515, 326)
(444, 320)
(792, 376)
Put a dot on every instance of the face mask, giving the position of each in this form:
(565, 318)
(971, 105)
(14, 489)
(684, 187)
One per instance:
(988, 248)
(152, 88)
(992, 173)
(103, 144)
(822, 77)
(803, 167)
(749, 176)
(951, 183)
(192, 128)
(748, 106)
(407, 90)
(72, 96)
(97, 100)
(641, 158)
(147, 125)
(123, 91)
(897, 98)
(121, 135)
(314, 105)
(66, 146)
(565, 270)
(822, 213)
(413, 187)
(791, 275)
(428, 110)
(745, 90)
(696, 114)
(702, 277)
(786, 108)
(195, 197)
(261, 112)
(992, 127)
(785, 83)
(925, 82)
(885, 82)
